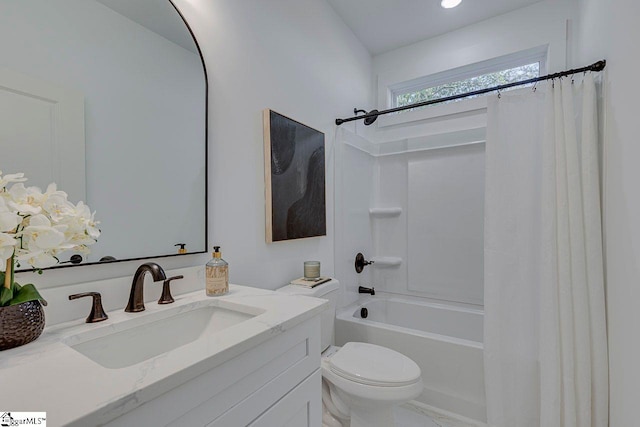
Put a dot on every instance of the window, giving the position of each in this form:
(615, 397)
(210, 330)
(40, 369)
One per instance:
(509, 75)
(497, 71)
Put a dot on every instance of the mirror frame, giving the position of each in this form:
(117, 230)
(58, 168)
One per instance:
(206, 172)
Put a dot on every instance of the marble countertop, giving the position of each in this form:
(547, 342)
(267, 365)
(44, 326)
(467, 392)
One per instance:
(48, 375)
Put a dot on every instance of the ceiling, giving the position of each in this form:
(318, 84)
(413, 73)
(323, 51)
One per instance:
(383, 25)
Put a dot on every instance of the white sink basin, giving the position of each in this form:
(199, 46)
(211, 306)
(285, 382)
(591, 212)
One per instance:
(137, 340)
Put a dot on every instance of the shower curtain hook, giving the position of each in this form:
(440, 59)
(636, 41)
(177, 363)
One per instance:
(499, 95)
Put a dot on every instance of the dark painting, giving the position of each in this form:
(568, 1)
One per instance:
(295, 179)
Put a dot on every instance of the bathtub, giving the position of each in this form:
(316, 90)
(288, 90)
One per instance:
(444, 340)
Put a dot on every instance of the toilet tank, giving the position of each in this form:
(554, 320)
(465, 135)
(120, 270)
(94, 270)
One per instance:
(328, 291)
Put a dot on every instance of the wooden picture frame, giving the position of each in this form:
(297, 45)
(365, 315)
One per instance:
(294, 172)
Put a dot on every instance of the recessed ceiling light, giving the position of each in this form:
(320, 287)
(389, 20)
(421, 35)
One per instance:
(448, 4)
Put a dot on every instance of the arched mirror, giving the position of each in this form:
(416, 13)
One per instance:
(107, 98)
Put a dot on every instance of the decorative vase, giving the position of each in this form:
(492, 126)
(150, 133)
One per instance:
(20, 324)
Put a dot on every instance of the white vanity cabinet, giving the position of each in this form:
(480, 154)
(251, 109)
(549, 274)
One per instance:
(274, 383)
(248, 358)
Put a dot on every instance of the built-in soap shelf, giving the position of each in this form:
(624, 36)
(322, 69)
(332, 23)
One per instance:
(386, 261)
(385, 212)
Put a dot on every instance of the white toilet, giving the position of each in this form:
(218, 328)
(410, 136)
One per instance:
(361, 383)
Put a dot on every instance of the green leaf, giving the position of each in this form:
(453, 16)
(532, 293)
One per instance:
(27, 293)
(5, 296)
(16, 288)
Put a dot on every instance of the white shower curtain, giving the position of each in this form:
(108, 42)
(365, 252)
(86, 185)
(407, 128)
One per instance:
(545, 328)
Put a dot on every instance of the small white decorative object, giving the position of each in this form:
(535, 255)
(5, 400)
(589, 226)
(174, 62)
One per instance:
(311, 270)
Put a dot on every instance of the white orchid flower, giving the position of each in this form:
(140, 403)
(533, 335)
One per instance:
(9, 219)
(12, 177)
(40, 234)
(37, 259)
(57, 206)
(88, 219)
(83, 249)
(7, 246)
(35, 226)
(25, 200)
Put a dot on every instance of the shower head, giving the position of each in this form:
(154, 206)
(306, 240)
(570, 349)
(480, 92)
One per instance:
(369, 120)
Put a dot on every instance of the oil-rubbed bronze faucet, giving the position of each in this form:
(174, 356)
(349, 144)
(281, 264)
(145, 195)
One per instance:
(166, 297)
(363, 290)
(136, 297)
(97, 312)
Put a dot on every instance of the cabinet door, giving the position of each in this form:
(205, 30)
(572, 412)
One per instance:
(301, 407)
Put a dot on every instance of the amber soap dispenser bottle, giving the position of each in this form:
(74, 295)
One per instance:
(217, 275)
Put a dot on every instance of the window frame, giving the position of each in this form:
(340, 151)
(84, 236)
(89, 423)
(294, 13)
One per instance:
(469, 71)
(399, 77)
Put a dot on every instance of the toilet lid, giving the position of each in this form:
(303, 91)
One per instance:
(374, 365)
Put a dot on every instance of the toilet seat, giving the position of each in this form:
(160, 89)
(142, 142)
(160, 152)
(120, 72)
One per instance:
(373, 365)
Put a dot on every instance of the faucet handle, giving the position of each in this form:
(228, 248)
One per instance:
(361, 263)
(166, 297)
(97, 312)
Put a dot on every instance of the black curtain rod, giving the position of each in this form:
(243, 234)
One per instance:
(371, 117)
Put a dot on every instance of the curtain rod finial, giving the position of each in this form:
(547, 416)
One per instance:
(599, 66)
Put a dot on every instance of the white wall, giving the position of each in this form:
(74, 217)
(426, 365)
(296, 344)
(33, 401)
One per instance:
(610, 30)
(299, 59)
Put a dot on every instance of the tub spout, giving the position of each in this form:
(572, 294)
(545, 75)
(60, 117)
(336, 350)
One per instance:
(363, 290)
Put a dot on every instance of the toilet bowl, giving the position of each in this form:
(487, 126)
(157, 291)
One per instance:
(365, 381)
(361, 382)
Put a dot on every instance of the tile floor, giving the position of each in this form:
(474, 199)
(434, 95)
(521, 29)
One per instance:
(418, 415)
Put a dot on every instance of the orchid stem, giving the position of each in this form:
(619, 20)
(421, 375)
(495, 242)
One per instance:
(8, 273)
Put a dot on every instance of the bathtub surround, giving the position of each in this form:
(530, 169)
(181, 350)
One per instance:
(439, 177)
(545, 337)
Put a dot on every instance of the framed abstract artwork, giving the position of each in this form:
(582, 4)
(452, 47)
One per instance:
(294, 179)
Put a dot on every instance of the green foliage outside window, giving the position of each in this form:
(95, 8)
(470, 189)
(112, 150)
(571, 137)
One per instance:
(484, 81)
